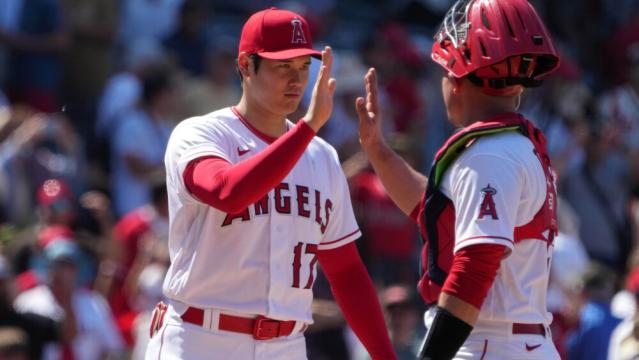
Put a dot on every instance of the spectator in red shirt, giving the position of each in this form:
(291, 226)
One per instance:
(390, 238)
(131, 234)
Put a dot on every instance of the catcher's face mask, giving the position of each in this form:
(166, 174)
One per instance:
(454, 27)
(496, 44)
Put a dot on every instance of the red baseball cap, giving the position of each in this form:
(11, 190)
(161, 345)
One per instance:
(278, 35)
(51, 191)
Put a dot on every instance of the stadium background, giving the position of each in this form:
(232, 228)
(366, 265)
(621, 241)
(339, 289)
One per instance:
(91, 89)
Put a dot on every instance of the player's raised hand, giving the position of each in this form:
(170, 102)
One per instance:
(370, 120)
(321, 104)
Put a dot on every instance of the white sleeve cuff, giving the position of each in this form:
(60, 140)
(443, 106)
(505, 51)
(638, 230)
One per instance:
(334, 244)
(192, 154)
(200, 151)
(484, 239)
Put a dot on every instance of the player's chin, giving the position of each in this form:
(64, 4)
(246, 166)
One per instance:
(290, 105)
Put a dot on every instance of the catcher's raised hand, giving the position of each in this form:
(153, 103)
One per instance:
(321, 106)
(370, 121)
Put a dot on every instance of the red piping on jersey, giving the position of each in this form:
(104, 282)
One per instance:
(340, 239)
(356, 296)
(268, 139)
(484, 237)
(233, 187)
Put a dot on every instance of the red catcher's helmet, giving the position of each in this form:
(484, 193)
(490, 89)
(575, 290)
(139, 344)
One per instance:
(496, 44)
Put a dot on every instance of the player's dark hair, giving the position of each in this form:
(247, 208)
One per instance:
(257, 60)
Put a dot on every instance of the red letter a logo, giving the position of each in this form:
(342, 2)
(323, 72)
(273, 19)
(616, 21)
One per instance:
(487, 206)
(298, 32)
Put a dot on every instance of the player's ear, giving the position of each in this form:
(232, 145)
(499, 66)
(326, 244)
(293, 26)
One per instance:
(458, 84)
(243, 64)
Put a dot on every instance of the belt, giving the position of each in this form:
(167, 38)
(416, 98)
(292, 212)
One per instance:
(533, 329)
(261, 327)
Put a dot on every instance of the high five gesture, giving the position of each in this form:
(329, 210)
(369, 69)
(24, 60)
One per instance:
(404, 185)
(321, 106)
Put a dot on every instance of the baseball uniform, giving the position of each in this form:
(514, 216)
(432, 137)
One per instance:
(250, 215)
(259, 261)
(498, 191)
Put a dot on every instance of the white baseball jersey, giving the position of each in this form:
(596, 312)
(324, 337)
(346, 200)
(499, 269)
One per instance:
(495, 185)
(261, 260)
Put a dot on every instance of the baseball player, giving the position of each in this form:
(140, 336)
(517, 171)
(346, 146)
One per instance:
(255, 203)
(487, 210)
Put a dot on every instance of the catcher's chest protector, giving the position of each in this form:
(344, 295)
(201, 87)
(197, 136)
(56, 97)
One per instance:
(437, 225)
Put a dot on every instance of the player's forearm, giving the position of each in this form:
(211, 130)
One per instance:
(471, 276)
(458, 307)
(404, 185)
(231, 188)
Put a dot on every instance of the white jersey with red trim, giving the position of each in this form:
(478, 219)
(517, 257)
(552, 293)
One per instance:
(488, 206)
(262, 260)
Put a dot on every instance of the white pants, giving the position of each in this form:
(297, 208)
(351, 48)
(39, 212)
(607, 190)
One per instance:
(495, 341)
(180, 340)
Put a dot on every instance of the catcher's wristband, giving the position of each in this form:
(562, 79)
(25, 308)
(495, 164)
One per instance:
(444, 337)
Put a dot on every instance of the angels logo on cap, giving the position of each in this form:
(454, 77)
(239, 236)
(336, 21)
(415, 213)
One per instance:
(278, 35)
(298, 32)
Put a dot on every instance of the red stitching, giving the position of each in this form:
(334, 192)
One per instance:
(154, 319)
(485, 237)
(161, 315)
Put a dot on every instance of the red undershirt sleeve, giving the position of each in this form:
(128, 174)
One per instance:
(473, 272)
(356, 296)
(232, 187)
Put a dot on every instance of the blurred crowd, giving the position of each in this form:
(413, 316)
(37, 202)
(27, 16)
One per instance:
(92, 88)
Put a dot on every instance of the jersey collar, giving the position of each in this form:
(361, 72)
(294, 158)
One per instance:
(266, 138)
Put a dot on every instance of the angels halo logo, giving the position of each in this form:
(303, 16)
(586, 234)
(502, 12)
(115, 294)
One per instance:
(298, 32)
(487, 207)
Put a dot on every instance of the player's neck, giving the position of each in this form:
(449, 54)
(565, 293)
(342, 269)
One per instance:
(483, 110)
(265, 121)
